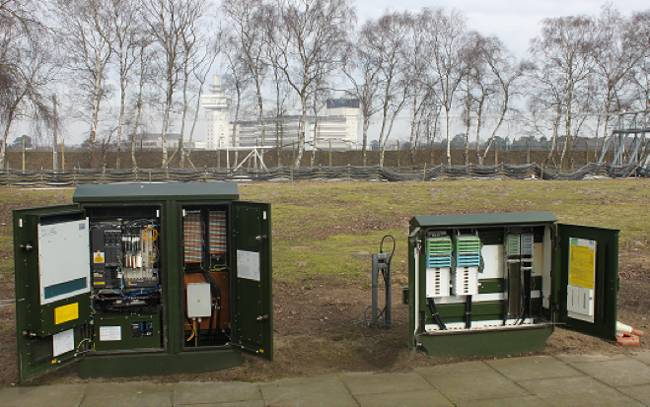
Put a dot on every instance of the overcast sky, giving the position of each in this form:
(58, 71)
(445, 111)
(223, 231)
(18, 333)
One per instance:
(515, 22)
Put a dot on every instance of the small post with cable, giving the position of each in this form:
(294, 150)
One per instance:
(381, 265)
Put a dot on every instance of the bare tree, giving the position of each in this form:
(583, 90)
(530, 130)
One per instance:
(415, 75)
(363, 72)
(309, 44)
(446, 39)
(639, 28)
(200, 70)
(386, 40)
(86, 32)
(125, 20)
(568, 44)
(26, 68)
(504, 73)
(248, 18)
(145, 75)
(615, 58)
(169, 21)
(238, 80)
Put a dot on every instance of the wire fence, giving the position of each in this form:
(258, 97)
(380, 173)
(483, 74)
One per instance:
(349, 172)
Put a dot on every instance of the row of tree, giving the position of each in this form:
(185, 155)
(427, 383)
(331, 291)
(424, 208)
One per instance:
(152, 58)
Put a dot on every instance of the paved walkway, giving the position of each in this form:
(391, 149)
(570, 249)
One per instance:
(566, 380)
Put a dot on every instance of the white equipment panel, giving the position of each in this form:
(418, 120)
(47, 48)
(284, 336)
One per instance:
(438, 282)
(198, 300)
(492, 255)
(63, 260)
(465, 281)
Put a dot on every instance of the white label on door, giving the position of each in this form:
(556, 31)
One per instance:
(62, 342)
(248, 265)
(110, 333)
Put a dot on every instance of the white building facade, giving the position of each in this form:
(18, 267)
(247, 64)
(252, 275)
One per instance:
(217, 108)
(336, 127)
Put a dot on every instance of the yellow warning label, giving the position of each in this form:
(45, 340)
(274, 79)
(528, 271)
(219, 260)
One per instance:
(98, 257)
(66, 313)
(582, 263)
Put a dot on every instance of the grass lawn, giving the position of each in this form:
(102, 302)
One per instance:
(323, 233)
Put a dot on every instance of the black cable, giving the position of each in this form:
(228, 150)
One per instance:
(434, 313)
(468, 311)
(381, 246)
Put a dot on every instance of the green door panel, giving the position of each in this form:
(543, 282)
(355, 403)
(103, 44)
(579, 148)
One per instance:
(586, 274)
(52, 334)
(253, 316)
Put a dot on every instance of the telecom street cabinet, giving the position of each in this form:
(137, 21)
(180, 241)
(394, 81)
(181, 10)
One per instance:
(494, 284)
(143, 278)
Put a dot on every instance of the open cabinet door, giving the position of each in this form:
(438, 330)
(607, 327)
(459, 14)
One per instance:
(253, 310)
(52, 277)
(587, 264)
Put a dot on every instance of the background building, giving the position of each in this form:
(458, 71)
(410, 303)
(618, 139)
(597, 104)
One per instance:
(337, 125)
(217, 108)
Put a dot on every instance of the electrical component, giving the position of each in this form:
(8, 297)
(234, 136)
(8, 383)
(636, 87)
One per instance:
(192, 237)
(199, 302)
(468, 251)
(468, 261)
(465, 281)
(438, 261)
(519, 262)
(217, 236)
(124, 257)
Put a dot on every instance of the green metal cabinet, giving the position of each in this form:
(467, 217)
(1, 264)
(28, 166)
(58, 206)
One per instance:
(56, 324)
(443, 326)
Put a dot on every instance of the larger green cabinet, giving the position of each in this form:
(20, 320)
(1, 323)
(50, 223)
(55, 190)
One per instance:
(143, 278)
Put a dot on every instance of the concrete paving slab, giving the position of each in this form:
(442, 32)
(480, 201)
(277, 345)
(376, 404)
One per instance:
(140, 394)
(640, 393)
(617, 372)
(525, 401)
(314, 391)
(63, 395)
(214, 392)
(577, 391)
(249, 403)
(374, 383)
(643, 356)
(416, 398)
(468, 381)
(580, 358)
(532, 367)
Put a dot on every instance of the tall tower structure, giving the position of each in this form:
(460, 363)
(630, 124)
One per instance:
(217, 107)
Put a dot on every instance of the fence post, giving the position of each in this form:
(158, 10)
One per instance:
(349, 173)
(424, 172)
(149, 174)
(330, 153)
(104, 173)
(397, 152)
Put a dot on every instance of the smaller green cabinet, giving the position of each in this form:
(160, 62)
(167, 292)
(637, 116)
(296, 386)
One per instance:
(143, 278)
(504, 295)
